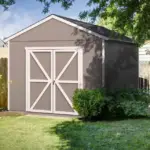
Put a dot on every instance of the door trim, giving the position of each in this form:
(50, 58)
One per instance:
(8, 77)
(52, 50)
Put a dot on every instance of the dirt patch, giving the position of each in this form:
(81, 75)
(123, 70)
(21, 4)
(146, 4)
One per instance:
(7, 113)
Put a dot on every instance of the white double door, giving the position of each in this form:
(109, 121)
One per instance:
(52, 75)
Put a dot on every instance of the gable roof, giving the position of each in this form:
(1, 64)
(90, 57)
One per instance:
(98, 31)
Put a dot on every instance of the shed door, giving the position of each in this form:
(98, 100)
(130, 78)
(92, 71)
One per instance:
(39, 80)
(52, 76)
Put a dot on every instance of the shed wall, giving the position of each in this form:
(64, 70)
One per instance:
(52, 34)
(121, 65)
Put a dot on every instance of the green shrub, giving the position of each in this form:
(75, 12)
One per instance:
(88, 103)
(127, 103)
(117, 103)
(133, 102)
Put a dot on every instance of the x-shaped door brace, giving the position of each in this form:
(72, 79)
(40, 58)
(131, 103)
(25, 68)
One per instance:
(49, 81)
(59, 81)
(56, 81)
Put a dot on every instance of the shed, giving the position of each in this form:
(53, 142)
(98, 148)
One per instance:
(51, 58)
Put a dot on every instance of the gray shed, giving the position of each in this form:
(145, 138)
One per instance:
(51, 58)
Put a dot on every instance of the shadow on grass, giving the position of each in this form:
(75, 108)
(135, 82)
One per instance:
(72, 135)
(104, 135)
(114, 119)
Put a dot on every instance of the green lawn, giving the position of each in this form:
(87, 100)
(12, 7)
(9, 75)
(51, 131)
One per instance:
(35, 133)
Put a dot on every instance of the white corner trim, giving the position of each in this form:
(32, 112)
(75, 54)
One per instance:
(8, 77)
(59, 19)
(27, 80)
(80, 68)
(103, 63)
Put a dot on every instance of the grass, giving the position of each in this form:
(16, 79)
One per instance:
(35, 133)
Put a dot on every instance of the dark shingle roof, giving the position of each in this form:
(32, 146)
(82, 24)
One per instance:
(98, 29)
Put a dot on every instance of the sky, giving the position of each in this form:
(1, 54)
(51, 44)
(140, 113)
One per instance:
(27, 12)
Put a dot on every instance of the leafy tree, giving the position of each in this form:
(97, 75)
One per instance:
(131, 16)
(109, 23)
(6, 3)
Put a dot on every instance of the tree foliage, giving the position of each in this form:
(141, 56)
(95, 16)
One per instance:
(109, 23)
(6, 3)
(131, 16)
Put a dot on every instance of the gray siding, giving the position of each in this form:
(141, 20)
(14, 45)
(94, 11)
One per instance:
(49, 34)
(121, 65)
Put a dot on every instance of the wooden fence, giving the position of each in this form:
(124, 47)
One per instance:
(3, 83)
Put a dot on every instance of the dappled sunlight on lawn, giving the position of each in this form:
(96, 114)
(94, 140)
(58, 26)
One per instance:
(39, 133)
(116, 135)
